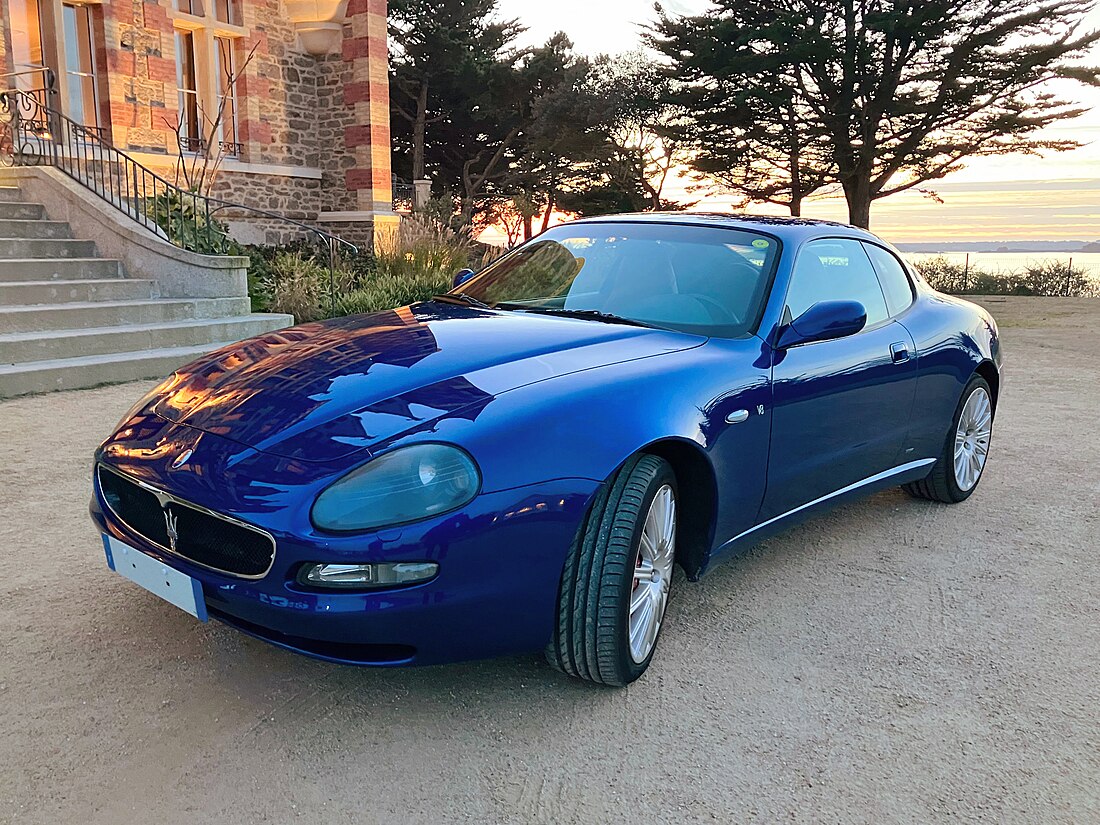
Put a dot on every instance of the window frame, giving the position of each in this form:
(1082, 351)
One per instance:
(794, 268)
(56, 50)
(905, 272)
(206, 30)
(88, 69)
(187, 130)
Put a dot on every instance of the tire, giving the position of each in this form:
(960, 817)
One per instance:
(591, 639)
(943, 482)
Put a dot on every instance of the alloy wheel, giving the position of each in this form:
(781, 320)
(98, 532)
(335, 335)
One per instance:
(652, 574)
(972, 438)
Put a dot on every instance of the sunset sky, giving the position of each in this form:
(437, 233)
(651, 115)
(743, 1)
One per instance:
(1056, 197)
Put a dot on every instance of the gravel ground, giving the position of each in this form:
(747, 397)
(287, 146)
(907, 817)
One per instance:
(894, 661)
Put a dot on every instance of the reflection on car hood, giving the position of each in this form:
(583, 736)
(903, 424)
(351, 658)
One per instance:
(321, 391)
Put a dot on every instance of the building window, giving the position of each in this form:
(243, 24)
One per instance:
(59, 36)
(227, 95)
(223, 11)
(187, 90)
(80, 80)
(26, 41)
(206, 35)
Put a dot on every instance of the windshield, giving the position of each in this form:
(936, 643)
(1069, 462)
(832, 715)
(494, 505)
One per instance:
(699, 279)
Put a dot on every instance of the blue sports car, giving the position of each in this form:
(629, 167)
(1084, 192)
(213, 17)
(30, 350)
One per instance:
(519, 464)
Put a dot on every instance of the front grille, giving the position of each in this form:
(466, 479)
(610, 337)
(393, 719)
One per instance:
(202, 537)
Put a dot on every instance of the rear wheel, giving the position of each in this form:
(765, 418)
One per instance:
(957, 471)
(615, 583)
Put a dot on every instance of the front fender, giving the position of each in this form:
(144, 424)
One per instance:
(585, 425)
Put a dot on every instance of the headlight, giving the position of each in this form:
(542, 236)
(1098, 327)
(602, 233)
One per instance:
(409, 484)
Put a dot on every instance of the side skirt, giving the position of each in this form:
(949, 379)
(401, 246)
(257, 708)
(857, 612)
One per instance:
(902, 474)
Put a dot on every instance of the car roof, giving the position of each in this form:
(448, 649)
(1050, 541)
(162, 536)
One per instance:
(795, 229)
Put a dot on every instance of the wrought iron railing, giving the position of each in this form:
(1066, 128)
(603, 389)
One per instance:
(403, 195)
(33, 132)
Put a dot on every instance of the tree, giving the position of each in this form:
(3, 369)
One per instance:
(886, 95)
(754, 139)
(563, 135)
(444, 54)
(643, 126)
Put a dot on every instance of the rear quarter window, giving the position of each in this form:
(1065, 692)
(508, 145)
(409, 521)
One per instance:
(896, 285)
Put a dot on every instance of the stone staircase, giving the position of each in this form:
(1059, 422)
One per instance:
(70, 319)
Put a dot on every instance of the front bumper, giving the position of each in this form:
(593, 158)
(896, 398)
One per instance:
(500, 560)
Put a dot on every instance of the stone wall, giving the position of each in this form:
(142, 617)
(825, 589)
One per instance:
(334, 118)
(296, 198)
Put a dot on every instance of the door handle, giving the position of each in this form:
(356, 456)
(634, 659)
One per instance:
(899, 353)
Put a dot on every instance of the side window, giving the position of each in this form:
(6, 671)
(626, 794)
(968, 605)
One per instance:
(891, 273)
(835, 270)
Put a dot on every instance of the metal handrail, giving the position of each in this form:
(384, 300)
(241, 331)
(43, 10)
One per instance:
(45, 71)
(33, 133)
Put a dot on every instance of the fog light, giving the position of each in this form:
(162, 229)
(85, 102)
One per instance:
(366, 575)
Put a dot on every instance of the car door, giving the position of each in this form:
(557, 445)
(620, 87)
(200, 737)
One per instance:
(840, 408)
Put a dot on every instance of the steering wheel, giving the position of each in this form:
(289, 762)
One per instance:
(718, 313)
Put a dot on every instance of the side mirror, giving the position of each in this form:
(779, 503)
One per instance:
(824, 321)
(462, 276)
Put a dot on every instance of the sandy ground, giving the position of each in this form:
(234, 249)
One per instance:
(895, 661)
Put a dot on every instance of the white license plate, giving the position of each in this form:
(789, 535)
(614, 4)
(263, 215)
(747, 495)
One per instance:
(156, 577)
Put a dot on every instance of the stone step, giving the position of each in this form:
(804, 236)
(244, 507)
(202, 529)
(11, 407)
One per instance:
(81, 315)
(10, 193)
(16, 211)
(43, 248)
(96, 370)
(22, 347)
(28, 293)
(34, 229)
(58, 269)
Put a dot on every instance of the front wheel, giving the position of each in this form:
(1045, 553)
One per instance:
(957, 471)
(615, 583)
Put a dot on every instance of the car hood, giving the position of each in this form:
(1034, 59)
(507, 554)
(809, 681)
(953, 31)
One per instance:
(322, 391)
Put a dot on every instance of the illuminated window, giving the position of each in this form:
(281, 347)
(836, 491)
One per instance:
(26, 37)
(59, 36)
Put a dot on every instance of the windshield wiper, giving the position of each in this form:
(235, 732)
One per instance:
(462, 298)
(583, 314)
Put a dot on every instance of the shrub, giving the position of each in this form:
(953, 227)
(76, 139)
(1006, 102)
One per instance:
(419, 261)
(1049, 278)
(390, 291)
(422, 246)
(300, 286)
(187, 227)
(944, 275)
(353, 269)
(1054, 278)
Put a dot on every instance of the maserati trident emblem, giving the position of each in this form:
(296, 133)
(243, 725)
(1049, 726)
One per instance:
(173, 533)
(181, 459)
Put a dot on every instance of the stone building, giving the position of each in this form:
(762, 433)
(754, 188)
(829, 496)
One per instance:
(305, 130)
